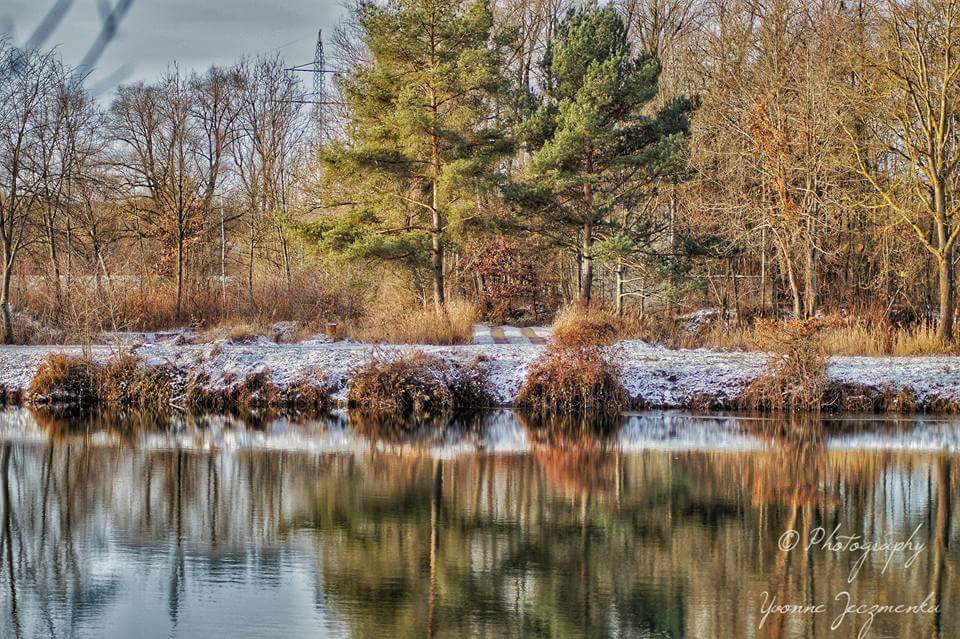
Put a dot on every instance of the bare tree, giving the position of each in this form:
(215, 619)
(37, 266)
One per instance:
(174, 136)
(29, 83)
(911, 150)
(266, 150)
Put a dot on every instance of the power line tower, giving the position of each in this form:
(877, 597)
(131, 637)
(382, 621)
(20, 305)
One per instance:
(319, 83)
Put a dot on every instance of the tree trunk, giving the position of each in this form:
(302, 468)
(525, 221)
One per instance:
(179, 308)
(945, 275)
(586, 248)
(5, 303)
(763, 272)
(252, 301)
(810, 283)
(69, 283)
(284, 253)
(620, 288)
(791, 277)
(223, 264)
(586, 263)
(436, 260)
(436, 228)
(54, 264)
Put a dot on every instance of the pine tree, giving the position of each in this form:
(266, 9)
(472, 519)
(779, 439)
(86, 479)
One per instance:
(419, 136)
(595, 152)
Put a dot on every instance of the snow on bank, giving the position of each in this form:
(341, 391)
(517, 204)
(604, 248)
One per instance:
(653, 375)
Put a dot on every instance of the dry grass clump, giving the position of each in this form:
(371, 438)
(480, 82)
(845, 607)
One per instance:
(242, 334)
(391, 325)
(578, 375)
(126, 382)
(65, 379)
(573, 380)
(797, 375)
(77, 380)
(577, 324)
(418, 384)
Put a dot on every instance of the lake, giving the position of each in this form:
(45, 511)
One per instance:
(669, 525)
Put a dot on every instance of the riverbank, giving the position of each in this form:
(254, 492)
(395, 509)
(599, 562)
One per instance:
(652, 376)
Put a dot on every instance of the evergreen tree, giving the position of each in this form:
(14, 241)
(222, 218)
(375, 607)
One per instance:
(419, 137)
(596, 154)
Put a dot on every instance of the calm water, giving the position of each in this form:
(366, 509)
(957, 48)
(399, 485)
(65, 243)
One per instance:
(667, 527)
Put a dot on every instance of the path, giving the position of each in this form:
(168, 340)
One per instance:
(487, 334)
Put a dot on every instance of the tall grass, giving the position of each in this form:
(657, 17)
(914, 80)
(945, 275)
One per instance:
(577, 324)
(89, 307)
(393, 325)
(838, 336)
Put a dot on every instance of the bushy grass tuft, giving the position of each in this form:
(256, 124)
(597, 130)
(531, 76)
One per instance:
(126, 382)
(65, 379)
(579, 325)
(123, 382)
(797, 375)
(417, 383)
(573, 380)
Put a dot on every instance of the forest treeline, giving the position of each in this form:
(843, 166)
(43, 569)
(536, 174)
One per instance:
(772, 158)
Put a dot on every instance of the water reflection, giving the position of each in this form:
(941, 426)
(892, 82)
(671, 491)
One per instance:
(111, 531)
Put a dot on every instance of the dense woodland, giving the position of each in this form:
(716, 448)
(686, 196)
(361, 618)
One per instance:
(773, 158)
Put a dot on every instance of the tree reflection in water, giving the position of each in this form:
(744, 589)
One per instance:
(571, 538)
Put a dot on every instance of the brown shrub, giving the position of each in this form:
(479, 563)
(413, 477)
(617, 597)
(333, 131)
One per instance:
(575, 380)
(122, 383)
(417, 383)
(797, 373)
(126, 382)
(65, 378)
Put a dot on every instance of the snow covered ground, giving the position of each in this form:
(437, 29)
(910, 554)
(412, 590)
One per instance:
(654, 375)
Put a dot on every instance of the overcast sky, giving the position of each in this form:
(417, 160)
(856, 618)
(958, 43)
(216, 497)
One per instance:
(194, 33)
